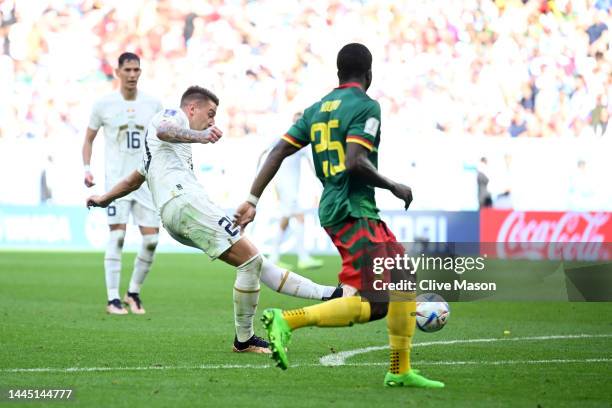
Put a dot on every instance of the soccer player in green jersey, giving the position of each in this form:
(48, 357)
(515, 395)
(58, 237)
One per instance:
(343, 129)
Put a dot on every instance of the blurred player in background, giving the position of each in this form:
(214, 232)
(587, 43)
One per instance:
(124, 115)
(344, 128)
(193, 219)
(288, 191)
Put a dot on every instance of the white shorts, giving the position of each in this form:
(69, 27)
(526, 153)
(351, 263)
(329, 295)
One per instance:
(119, 213)
(194, 220)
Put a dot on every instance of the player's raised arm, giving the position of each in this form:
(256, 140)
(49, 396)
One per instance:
(358, 165)
(170, 132)
(246, 211)
(121, 189)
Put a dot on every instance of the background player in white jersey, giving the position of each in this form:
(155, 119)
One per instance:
(193, 219)
(287, 182)
(125, 115)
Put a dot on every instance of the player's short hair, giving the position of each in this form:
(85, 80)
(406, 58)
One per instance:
(354, 60)
(127, 56)
(199, 94)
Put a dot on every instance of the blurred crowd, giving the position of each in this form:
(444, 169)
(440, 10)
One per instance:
(501, 68)
(507, 68)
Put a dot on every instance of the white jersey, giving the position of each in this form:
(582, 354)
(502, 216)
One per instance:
(168, 167)
(124, 125)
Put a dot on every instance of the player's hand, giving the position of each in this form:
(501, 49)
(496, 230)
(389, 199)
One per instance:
(97, 201)
(404, 193)
(212, 135)
(89, 180)
(244, 214)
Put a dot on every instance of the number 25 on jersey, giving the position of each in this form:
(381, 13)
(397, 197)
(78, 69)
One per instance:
(321, 137)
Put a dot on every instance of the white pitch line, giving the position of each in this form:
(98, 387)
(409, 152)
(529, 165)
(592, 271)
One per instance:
(253, 366)
(344, 355)
(143, 368)
(338, 359)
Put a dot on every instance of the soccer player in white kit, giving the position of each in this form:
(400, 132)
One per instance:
(125, 115)
(193, 219)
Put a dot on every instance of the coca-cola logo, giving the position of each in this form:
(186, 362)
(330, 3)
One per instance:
(574, 236)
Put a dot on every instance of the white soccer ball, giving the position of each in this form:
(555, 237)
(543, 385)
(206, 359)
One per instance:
(432, 312)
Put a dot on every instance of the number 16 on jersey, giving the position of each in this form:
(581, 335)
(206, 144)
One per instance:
(132, 136)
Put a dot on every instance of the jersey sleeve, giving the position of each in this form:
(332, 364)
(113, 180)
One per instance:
(365, 125)
(297, 135)
(172, 116)
(95, 120)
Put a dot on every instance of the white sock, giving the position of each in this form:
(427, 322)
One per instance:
(143, 262)
(246, 296)
(112, 263)
(299, 242)
(280, 238)
(290, 283)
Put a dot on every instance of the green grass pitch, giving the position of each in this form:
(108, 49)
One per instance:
(178, 354)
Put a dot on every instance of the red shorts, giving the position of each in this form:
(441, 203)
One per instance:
(356, 237)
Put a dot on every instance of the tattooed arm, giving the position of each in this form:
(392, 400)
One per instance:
(121, 189)
(169, 132)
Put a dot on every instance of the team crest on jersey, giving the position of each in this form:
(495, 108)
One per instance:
(371, 126)
(169, 112)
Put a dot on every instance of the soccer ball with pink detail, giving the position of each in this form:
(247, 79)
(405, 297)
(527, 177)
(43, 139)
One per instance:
(432, 312)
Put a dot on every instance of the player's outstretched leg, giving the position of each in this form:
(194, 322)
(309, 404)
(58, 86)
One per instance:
(400, 325)
(112, 271)
(335, 313)
(142, 265)
(290, 283)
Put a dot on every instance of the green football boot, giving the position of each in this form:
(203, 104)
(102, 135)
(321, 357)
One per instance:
(410, 379)
(279, 334)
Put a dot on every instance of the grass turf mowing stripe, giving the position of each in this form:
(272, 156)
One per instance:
(342, 356)
(243, 366)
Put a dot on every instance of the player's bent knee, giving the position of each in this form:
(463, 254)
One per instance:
(240, 253)
(378, 306)
(378, 310)
(248, 273)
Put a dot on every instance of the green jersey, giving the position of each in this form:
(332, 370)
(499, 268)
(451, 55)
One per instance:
(345, 115)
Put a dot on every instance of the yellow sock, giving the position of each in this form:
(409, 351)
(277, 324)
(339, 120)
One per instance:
(401, 320)
(334, 313)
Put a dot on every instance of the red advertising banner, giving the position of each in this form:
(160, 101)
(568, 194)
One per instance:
(548, 235)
